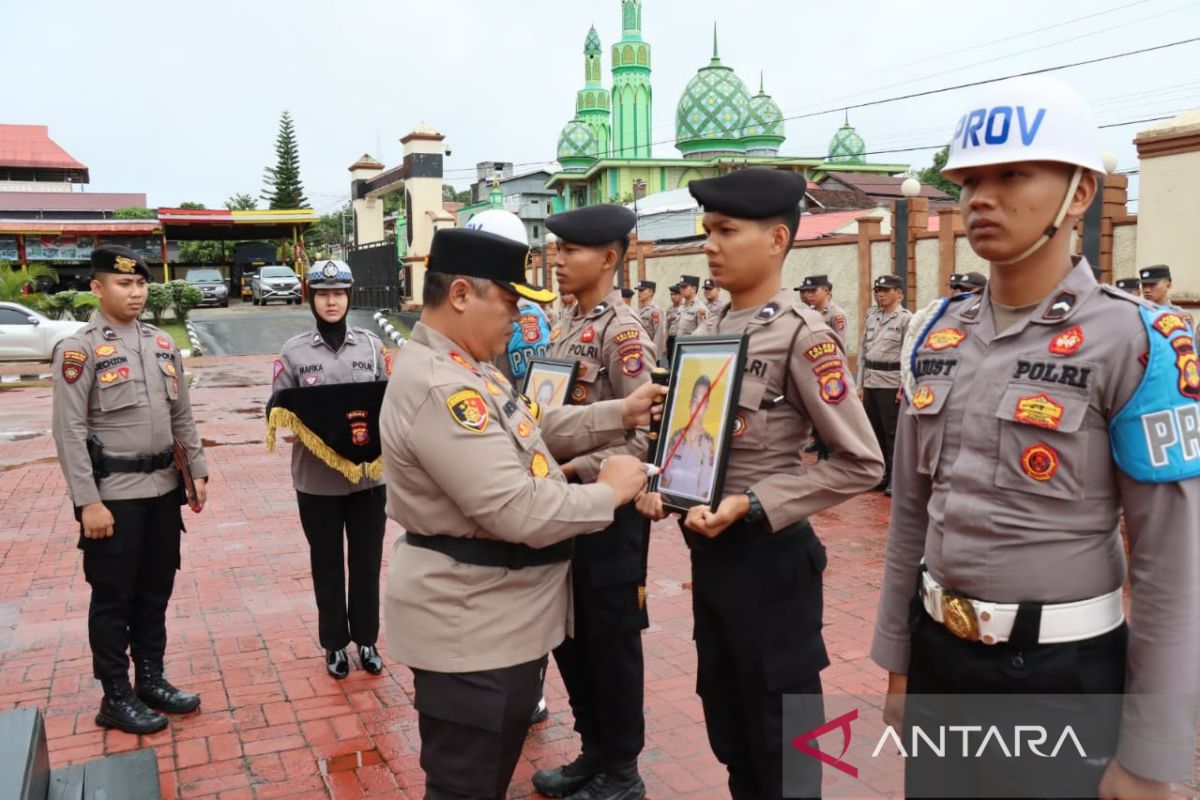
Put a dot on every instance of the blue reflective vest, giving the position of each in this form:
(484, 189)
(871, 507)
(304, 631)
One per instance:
(530, 339)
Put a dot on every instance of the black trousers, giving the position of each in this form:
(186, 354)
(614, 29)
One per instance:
(602, 665)
(361, 518)
(884, 412)
(132, 575)
(942, 664)
(757, 599)
(473, 725)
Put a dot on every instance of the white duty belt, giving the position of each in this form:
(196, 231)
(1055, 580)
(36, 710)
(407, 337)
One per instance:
(992, 623)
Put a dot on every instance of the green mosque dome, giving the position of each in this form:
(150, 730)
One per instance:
(847, 146)
(577, 146)
(713, 111)
(763, 130)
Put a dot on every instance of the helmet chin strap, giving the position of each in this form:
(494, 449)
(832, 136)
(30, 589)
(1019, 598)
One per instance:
(1049, 233)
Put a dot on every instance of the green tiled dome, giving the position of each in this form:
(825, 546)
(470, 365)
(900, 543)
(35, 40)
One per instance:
(847, 146)
(577, 146)
(763, 131)
(712, 112)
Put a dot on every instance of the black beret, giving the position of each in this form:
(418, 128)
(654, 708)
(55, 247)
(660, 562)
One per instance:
(592, 225)
(651, 285)
(1156, 273)
(709, 283)
(967, 280)
(113, 259)
(627, 293)
(888, 282)
(815, 282)
(689, 280)
(754, 193)
(479, 254)
(675, 289)
(1125, 284)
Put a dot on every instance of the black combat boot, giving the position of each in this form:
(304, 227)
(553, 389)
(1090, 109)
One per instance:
(619, 782)
(569, 778)
(154, 690)
(121, 709)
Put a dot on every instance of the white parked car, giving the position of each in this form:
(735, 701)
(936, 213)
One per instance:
(26, 335)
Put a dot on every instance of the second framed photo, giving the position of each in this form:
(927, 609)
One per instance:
(693, 445)
(548, 381)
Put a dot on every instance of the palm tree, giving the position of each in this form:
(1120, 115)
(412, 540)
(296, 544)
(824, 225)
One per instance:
(14, 282)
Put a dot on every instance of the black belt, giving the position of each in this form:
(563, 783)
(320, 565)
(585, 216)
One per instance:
(140, 464)
(882, 366)
(493, 552)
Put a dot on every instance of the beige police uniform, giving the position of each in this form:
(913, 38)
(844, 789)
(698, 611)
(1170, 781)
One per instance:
(835, 318)
(673, 312)
(713, 308)
(1007, 490)
(691, 315)
(652, 319)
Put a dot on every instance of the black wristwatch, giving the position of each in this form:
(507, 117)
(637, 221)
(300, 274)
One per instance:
(756, 513)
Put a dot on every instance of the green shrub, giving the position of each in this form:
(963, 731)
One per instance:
(159, 298)
(83, 304)
(58, 304)
(184, 297)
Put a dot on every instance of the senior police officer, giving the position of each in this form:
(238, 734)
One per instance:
(120, 409)
(652, 317)
(712, 298)
(1041, 410)
(879, 365)
(477, 589)
(817, 293)
(332, 508)
(691, 310)
(601, 664)
(1131, 285)
(756, 562)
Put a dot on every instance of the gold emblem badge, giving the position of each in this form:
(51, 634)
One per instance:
(123, 264)
(540, 466)
(923, 398)
(1040, 462)
(492, 388)
(105, 350)
(1040, 410)
(469, 410)
(524, 428)
(958, 615)
(949, 337)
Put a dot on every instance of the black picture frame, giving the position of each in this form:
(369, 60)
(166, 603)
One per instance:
(561, 374)
(720, 359)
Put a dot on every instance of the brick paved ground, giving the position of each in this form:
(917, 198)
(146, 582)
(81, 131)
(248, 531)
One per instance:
(242, 629)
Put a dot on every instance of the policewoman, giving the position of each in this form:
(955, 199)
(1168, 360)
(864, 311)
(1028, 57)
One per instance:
(120, 404)
(757, 564)
(338, 515)
(1042, 409)
(601, 663)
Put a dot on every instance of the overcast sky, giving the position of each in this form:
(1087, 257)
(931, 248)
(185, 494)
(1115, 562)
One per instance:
(182, 100)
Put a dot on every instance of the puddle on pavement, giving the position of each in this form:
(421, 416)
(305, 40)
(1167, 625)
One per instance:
(206, 443)
(46, 460)
(22, 436)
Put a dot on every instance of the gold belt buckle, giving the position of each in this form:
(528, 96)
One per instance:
(958, 615)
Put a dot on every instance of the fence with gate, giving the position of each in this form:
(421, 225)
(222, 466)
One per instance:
(377, 278)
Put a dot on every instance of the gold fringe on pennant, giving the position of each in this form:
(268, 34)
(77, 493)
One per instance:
(282, 417)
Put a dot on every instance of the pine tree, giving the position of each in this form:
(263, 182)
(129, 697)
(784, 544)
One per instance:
(282, 187)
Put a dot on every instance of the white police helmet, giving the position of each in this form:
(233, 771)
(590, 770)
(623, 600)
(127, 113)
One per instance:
(1032, 118)
(330, 275)
(501, 223)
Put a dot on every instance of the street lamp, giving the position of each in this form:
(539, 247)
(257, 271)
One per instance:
(910, 188)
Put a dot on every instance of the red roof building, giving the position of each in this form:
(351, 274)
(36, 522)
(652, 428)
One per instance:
(29, 155)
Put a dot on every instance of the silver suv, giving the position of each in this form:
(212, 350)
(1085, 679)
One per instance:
(275, 283)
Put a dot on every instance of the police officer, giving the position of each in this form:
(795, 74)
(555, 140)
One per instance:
(477, 589)
(332, 508)
(1131, 285)
(1156, 287)
(691, 310)
(652, 317)
(972, 282)
(756, 562)
(1042, 409)
(673, 312)
(120, 406)
(712, 298)
(817, 293)
(879, 365)
(601, 664)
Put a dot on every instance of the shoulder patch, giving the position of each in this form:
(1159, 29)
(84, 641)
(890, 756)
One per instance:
(469, 410)
(277, 370)
(457, 358)
(625, 336)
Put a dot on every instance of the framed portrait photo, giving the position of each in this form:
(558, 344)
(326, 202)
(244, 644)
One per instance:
(698, 418)
(548, 381)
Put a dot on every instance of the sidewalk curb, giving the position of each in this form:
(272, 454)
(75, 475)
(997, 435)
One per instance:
(389, 329)
(197, 350)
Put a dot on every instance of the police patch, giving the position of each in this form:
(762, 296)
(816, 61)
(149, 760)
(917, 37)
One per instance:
(457, 358)
(923, 398)
(387, 360)
(624, 336)
(821, 350)
(588, 335)
(276, 370)
(631, 360)
(1061, 306)
(74, 355)
(579, 394)
(947, 337)
(313, 380)
(833, 385)
(531, 331)
(539, 467)
(71, 370)
(114, 375)
(1188, 366)
(838, 323)
(1068, 342)
(739, 426)
(1040, 462)
(469, 410)
(493, 389)
(654, 317)
(1040, 410)
(170, 369)
(105, 350)
(1168, 323)
(524, 428)
(164, 343)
